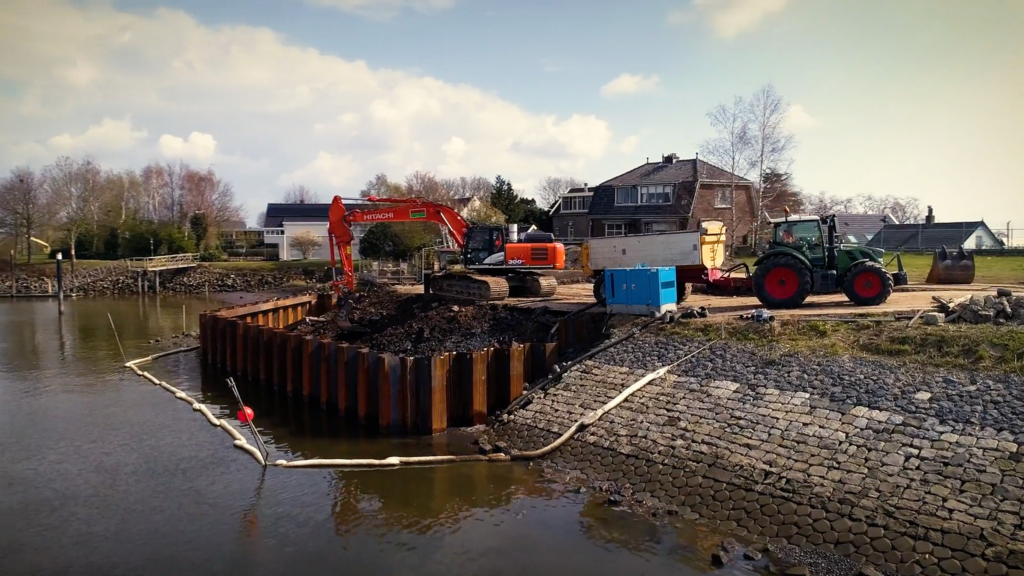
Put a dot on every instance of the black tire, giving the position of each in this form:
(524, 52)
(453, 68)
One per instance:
(868, 284)
(599, 288)
(685, 290)
(782, 282)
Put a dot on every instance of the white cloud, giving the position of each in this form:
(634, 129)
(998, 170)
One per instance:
(325, 171)
(107, 136)
(383, 9)
(628, 145)
(798, 119)
(279, 111)
(728, 18)
(199, 146)
(627, 83)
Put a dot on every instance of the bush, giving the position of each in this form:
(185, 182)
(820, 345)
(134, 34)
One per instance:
(265, 253)
(211, 256)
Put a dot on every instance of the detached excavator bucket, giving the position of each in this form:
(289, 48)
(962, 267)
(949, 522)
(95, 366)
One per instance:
(957, 268)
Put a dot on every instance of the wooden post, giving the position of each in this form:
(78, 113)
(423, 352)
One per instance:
(292, 369)
(439, 368)
(232, 343)
(479, 388)
(204, 341)
(307, 366)
(255, 355)
(407, 394)
(281, 342)
(156, 280)
(60, 283)
(266, 335)
(326, 366)
(14, 276)
(240, 347)
(385, 413)
(363, 386)
(515, 372)
(342, 379)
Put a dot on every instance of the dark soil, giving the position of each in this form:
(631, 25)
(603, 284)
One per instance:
(421, 325)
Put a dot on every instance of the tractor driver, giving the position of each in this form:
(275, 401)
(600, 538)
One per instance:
(787, 235)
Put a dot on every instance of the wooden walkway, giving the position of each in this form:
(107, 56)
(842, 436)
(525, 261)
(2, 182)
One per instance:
(169, 262)
(139, 265)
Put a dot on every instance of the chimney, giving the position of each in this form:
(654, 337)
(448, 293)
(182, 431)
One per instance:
(585, 188)
(669, 158)
(930, 218)
(696, 164)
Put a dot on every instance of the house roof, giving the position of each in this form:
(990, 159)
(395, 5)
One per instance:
(859, 228)
(949, 234)
(684, 174)
(679, 171)
(278, 214)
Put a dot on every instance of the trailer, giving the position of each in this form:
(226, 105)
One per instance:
(696, 255)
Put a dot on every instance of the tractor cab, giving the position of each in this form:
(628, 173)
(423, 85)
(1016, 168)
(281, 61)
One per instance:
(801, 233)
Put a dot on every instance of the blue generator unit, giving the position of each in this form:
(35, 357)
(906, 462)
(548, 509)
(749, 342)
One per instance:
(640, 291)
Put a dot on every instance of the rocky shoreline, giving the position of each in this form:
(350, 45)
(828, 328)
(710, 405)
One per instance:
(197, 280)
(898, 467)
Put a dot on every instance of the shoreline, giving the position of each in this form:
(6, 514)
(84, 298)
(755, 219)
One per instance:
(902, 471)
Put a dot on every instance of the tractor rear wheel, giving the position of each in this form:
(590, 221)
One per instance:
(599, 288)
(868, 284)
(782, 282)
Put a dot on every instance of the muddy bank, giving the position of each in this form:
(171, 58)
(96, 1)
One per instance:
(888, 465)
(420, 325)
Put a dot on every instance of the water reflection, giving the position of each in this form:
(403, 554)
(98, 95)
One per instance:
(128, 480)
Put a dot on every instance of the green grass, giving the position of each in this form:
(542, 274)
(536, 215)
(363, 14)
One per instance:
(989, 269)
(986, 347)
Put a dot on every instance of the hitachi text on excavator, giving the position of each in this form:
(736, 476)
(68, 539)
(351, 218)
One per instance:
(494, 259)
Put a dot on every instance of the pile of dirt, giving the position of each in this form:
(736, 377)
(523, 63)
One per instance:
(423, 325)
(1001, 308)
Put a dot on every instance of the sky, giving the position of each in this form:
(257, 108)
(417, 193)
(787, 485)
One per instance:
(916, 97)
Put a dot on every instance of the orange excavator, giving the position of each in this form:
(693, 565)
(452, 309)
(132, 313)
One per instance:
(495, 259)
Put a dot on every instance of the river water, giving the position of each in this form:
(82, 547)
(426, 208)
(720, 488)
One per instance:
(103, 473)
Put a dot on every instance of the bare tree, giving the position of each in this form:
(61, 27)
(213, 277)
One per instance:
(72, 187)
(381, 187)
(23, 207)
(307, 242)
(903, 209)
(731, 149)
(300, 194)
(551, 188)
(484, 213)
(771, 144)
(468, 187)
(421, 184)
(261, 219)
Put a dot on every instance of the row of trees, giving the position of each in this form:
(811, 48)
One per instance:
(97, 212)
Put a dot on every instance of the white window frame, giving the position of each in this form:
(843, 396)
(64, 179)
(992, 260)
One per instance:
(634, 195)
(620, 225)
(576, 203)
(664, 195)
(723, 192)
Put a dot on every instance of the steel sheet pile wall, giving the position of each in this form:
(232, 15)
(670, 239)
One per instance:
(394, 394)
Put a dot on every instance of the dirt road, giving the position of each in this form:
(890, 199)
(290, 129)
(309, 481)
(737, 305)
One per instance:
(912, 298)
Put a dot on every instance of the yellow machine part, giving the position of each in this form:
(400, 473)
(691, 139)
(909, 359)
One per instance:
(957, 268)
(585, 258)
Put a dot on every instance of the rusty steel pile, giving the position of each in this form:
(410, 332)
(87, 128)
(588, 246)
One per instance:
(388, 321)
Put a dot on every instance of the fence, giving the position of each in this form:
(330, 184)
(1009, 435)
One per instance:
(388, 393)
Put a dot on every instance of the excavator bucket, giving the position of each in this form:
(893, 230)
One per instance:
(957, 268)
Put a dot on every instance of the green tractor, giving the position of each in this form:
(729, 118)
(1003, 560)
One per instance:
(804, 257)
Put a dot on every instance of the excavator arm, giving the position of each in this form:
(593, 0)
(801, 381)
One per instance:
(339, 227)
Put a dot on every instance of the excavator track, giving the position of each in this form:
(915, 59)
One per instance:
(470, 287)
(541, 286)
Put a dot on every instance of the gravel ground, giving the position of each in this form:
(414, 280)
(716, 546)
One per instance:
(987, 400)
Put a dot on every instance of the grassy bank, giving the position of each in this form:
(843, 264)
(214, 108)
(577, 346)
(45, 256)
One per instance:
(984, 347)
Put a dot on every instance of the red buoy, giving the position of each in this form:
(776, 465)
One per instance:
(244, 416)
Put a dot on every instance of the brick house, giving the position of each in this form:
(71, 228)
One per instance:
(569, 220)
(672, 195)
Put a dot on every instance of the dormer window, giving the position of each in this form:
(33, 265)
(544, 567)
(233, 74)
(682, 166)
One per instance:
(627, 195)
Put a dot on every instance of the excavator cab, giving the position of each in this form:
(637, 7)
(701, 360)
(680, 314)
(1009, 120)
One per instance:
(485, 245)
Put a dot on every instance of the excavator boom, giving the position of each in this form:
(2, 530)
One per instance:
(500, 264)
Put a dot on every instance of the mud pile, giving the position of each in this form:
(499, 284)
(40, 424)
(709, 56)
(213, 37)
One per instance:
(422, 325)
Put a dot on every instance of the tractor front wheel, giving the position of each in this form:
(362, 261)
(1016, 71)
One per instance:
(599, 288)
(868, 284)
(782, 282)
